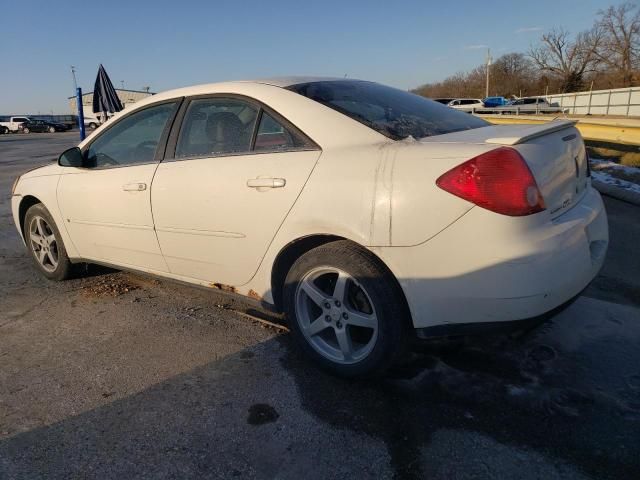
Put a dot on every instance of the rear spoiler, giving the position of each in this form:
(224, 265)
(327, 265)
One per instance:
(532, 131)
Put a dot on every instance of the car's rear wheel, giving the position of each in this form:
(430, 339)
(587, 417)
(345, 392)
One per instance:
(93, 126)
(345, 310)
(52, 130)
(45, 244)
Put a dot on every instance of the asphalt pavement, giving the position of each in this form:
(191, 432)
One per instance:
(116, 375)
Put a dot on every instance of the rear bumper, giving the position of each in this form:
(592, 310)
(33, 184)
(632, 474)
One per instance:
(488, 268)
(483, 328)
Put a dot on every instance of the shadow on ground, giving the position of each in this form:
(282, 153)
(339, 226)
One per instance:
(539, 406)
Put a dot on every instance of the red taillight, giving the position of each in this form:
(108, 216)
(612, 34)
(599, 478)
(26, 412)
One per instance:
(498, 180)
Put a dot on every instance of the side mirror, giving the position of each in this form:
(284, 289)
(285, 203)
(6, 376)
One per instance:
(71, 158)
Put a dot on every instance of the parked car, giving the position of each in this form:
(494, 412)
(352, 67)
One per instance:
(466, 104)
(491, 102)
(531, 105)
(368, 215)
(13, 124)
(444, 101)
(91, 121)
(42, 126)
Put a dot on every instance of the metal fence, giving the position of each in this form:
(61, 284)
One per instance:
(618, 101)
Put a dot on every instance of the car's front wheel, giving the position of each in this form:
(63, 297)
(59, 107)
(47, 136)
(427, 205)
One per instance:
(52, 130)
(26, 130)
(345, 310)
(45, 244)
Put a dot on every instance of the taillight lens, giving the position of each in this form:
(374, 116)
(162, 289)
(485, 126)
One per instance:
(499, 180)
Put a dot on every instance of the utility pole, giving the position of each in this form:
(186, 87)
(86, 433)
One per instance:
(486, 93)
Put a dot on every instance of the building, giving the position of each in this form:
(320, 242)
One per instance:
(127, 97)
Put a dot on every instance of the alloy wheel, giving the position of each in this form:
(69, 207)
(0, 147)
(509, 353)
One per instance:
(44, 244)
(336, 315)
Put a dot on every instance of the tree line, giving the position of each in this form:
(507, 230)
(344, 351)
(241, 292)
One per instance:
(605, 56)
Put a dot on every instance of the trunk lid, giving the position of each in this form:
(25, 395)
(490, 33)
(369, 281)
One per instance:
(554, 152)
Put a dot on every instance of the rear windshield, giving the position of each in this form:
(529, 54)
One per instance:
(394, 113)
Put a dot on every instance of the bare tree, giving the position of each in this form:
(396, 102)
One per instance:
(513, 74)
(567, 59)
(619, 46)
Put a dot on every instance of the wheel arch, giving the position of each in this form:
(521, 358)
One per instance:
(26, 203)
(296, 248)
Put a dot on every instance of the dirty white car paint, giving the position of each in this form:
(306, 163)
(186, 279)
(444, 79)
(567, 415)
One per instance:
(229, 219)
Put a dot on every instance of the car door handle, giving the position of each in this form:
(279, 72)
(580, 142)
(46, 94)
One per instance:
(134, 187)
(266, 182)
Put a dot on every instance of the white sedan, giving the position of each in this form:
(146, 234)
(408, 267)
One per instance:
(466, 104)
(369, 215)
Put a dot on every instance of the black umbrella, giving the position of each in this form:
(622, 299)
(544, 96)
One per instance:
(105, 98)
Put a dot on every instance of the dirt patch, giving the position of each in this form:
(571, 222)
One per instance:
(253, 294)
(109, 287)
(223, 287)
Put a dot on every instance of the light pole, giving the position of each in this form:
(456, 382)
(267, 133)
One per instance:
(73, 74)
(486, 93)
(78, 92)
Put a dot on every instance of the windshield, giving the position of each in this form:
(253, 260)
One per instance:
(394, 113)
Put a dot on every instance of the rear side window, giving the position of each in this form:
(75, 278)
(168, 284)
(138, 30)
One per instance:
(394, 113)
(216, 126)
(273, 136)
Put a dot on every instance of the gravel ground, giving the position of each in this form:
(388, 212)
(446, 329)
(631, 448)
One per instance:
(115, 375)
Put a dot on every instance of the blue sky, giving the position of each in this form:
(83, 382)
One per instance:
(169, 44)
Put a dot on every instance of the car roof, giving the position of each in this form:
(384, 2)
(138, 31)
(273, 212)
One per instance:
(293, 80)
(280, 82)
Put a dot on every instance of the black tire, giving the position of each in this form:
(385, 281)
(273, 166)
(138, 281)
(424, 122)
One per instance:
(390, 345)
(52, 130)
(64, 268)
(93, 126)
(26, 130)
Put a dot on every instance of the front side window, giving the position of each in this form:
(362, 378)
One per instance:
(131, 141)
(216, 126)
(394, 113)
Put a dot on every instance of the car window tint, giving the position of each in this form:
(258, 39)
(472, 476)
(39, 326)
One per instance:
(132, 140)
(274, 136)
(216, 126)
(394, 113)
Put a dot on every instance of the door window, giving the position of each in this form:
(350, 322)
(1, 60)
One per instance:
(216, 126)
(131, 141)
